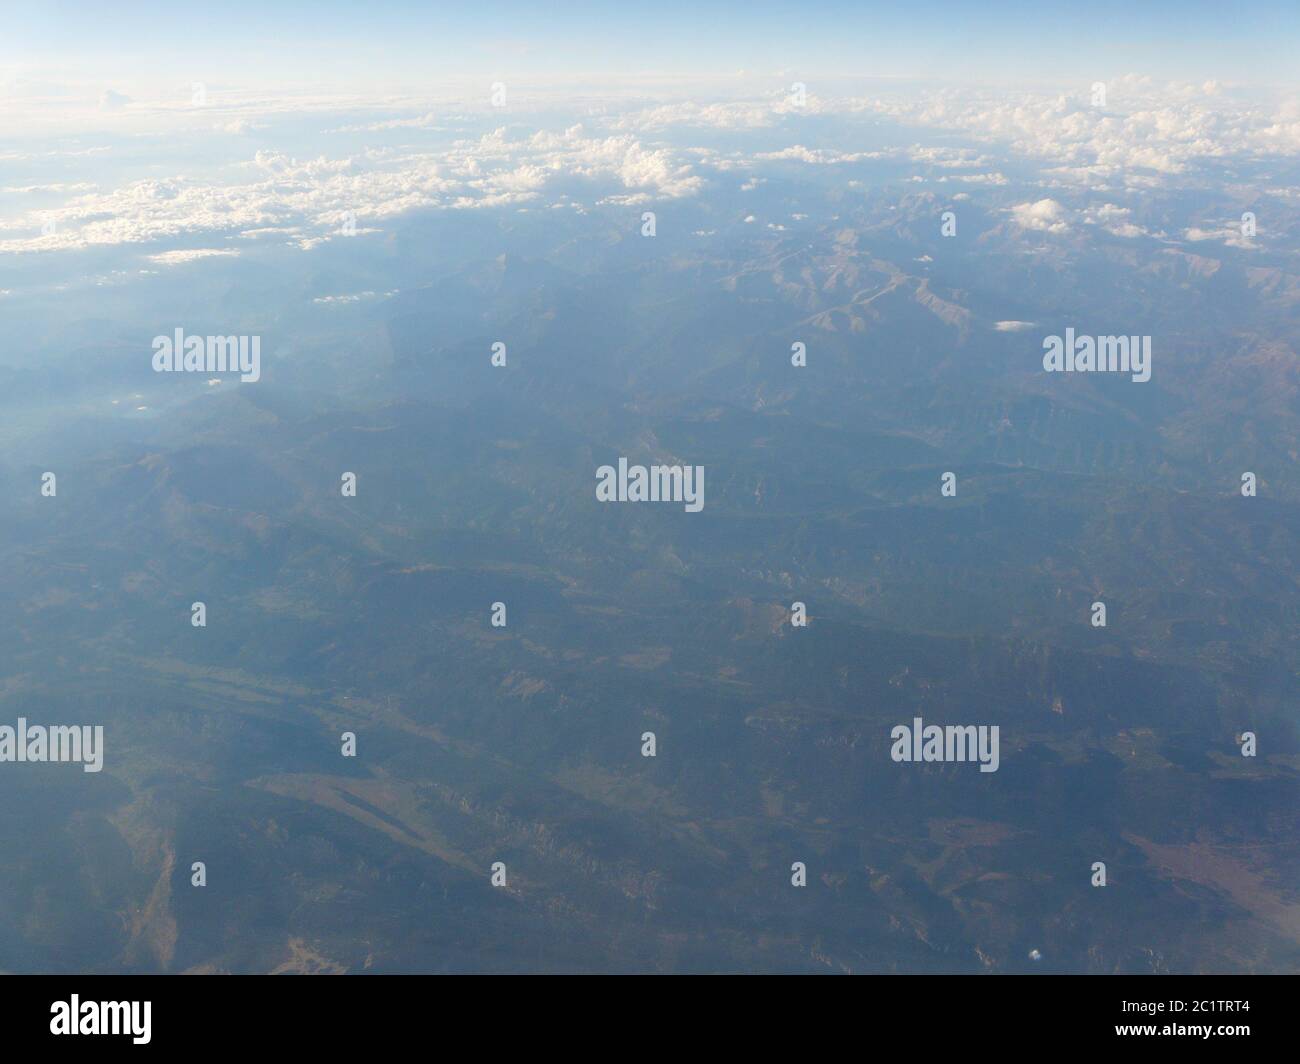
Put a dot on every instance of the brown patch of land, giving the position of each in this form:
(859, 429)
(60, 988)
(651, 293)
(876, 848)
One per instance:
(1238, 871)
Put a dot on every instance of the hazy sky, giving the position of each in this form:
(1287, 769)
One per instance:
(407, 45)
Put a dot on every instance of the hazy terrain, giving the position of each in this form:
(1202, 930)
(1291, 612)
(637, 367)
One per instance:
(522, 744)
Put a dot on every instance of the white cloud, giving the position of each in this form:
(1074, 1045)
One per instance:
(1147, 127)
(176, 258)
(112, 101)
(79, 186)
(1151, 137)
(820, 156)
(238, 126)
(745, 115)
(427, 121)
(1044, 215)
(1114, 219)
(317, 195)
(353, 297)
(1231, 236)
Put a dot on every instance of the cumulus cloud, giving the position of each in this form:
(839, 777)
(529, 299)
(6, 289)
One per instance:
(318, 195)
(1149, 138)
(1044, 215)
(1148, 133)
(1114, 219)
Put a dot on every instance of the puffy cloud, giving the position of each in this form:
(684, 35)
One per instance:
(1150, 135)
(1147, 127)
(1044, 215)
(1148, 138)
(1114, 219)
(317, 196)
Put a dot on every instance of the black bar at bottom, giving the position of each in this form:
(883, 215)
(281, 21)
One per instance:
(485, 1014)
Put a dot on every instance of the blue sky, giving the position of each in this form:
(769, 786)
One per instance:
(346, 43)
